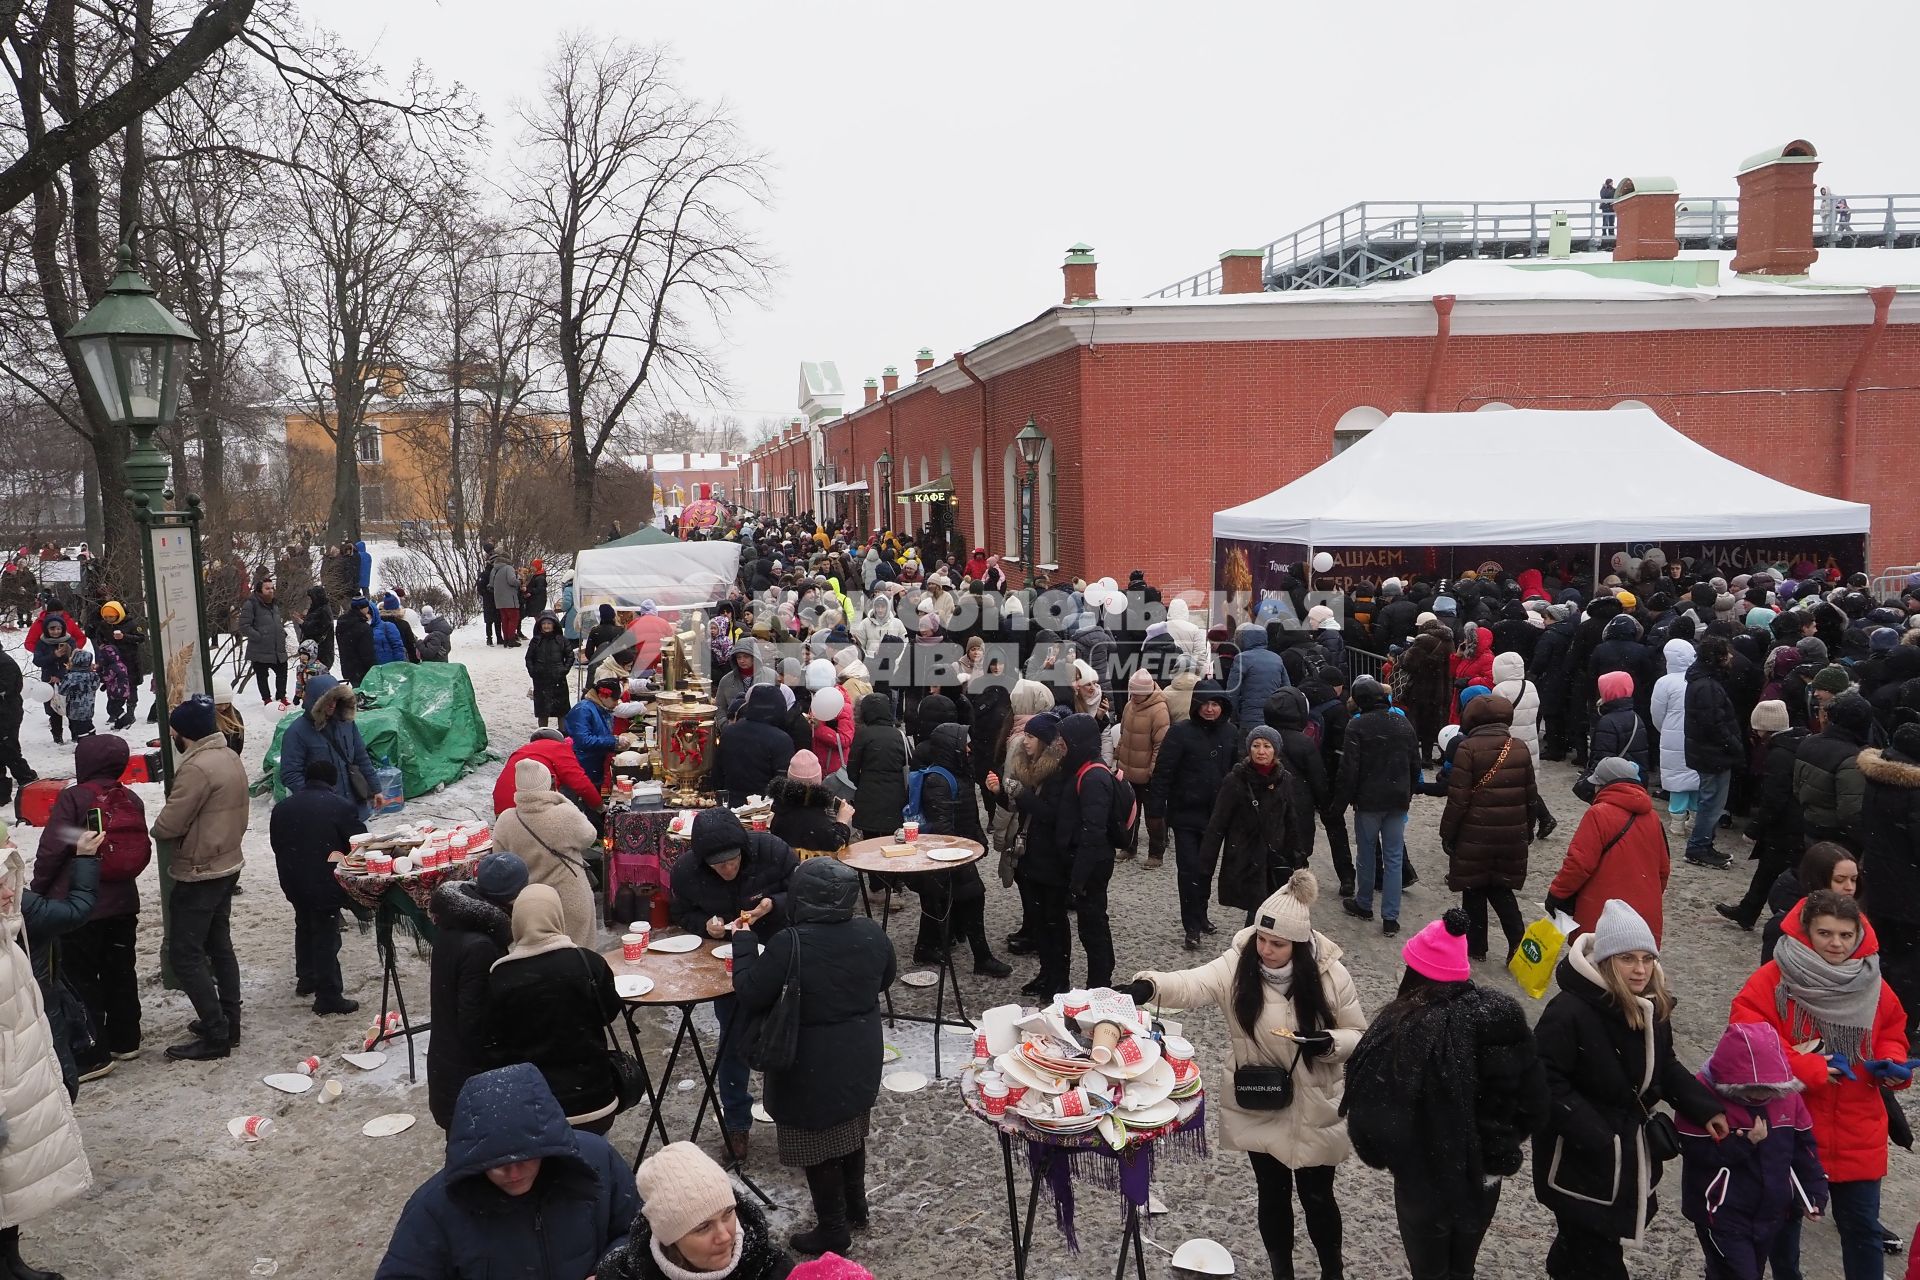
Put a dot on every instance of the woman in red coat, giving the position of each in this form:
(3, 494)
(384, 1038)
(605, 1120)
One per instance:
(1846, 1040)
(1619, 851)
(1471, 664)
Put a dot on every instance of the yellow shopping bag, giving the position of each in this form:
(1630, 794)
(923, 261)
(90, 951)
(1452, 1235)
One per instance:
(1539, 950)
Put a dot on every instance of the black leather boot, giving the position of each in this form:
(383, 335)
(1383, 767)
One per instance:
(10, 1256)
(853, 1169)
(828, 1186)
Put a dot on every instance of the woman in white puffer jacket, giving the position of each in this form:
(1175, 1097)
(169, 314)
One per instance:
(1510, 682)
(1668, 712)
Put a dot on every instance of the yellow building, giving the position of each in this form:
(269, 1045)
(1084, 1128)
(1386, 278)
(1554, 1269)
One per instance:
(405, 455)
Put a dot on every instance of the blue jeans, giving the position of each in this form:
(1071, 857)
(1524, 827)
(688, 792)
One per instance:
(1387, 829)
(1855, 1209)
(730, 1073)
(1712, 801)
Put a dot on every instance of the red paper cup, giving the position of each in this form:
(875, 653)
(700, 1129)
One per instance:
(761, 822)
(258, 1127)
(1073, 1103)
(910, 830)
(994, 1098)
(309, 1066)
(729, 963)
(980, 1053)
(1179, 1055)
(633, 946)
(1015, 1092)
(1129, 1052)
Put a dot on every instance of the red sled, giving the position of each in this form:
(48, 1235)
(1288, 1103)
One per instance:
(144, 767)
(35, 801)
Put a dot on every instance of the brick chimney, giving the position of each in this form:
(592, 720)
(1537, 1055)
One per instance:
(1078, 269)
(873, 391)
(889, 380)
(923, 360)
(1776, 211)
(1243, 271)
(1645, 209)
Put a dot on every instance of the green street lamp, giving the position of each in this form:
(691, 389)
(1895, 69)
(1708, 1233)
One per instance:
(135, 354)
(1031, 442)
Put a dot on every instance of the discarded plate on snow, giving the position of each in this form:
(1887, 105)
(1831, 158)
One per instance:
(890, 1053)
(288, 1082)
(250, 1128)
(920, 978)
(760, 1114)
(684, 1085)
(388, 1125)
(904, 1081)
(364, 1061)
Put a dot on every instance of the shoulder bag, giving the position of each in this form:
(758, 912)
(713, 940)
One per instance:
(629, 1077)
(1265, 1088)
(776, 1038)
(1585, 787)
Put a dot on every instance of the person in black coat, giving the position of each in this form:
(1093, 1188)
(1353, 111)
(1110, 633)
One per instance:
(1549, 667)
(728, 872)
(521, 1193)
(755, 748)
(804, 812)
(1193, 761)
(1716, 745)
(317, 624)
(1618, 727)
(1514, 633)
(1606, 1044)
(549, 1002)
(475, 929)
(955, 901)
(549, 663)
(1775, 827)
(1890, 860)
(1393, 623)
(1286, 713)
(354, 631)
(307, 830)
(14, 769)
(1379, 770)
(1254, 830)
(1080, 824)
(877, 767)
(820, 1103)
(1580, 690)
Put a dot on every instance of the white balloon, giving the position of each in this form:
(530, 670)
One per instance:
(39, 690)
(828, 704)
(1095, 595)
(1619, 561)
(1322, 562)
(1109, 584)
(1116, 606)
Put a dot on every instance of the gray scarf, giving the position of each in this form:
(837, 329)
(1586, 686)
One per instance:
(1835, 1001)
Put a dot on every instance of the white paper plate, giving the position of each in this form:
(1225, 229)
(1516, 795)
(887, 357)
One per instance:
(1149, 1048)
(949, 855)
(760, 1114)
(677, 944)
(1148, 1089)
(723, 952)
(631, 986)
(1151, 1117)
(904, 1081)
(364, 1061)
(920, 978)
(288, 1082)
(388, 1125)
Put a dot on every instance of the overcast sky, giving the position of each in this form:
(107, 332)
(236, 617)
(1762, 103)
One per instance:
(934, 161)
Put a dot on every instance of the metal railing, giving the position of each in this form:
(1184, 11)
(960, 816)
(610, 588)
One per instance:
(1383, 240)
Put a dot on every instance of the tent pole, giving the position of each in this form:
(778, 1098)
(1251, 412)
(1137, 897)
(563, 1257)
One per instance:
(1596, 569)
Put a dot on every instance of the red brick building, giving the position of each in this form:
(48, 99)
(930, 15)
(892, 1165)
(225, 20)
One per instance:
(1160, 411)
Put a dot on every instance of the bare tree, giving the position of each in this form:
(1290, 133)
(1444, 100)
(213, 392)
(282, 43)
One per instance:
(347, 269)
(635, 189)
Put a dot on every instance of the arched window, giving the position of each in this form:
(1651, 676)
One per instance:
(979, 533)
(1354, 425)
(1493, 406)
(1633, 404)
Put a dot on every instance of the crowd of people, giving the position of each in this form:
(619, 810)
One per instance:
(1071, 729)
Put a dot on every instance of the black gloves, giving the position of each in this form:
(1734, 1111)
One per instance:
(1140, 989)
(1314, 1044)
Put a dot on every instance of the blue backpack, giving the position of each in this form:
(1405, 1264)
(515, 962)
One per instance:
(916, 780)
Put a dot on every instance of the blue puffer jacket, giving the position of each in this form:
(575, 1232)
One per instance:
(316, 735)
(387, 644)
(459, 1226)
(591, 729)
(1257, 675)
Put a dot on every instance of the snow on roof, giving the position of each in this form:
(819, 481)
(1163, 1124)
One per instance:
(1564, 279)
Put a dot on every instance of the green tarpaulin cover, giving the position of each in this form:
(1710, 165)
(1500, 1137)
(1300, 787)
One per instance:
(424, 721)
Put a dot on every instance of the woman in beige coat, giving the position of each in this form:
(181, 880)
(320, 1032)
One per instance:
(1292, 1010)
(553, 838)
(42, 1164)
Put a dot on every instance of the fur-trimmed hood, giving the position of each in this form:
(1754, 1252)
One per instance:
(458, 905)
(324, 694)
(801, 795)
(1888, 768)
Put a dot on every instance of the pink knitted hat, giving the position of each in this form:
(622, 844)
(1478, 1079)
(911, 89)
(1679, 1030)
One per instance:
(1439, 951)
(1615, 684)
(831, 1266)
(804, 767)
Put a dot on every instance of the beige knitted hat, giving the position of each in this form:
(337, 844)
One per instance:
(681, 1187)
(1285, 914)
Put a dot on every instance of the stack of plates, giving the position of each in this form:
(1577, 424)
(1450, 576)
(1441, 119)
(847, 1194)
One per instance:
(1149, 1059)
(1182, 1092)
(1160, 1113)
(1040, 1054)
(1049, 1121)
(1147, 1090)
(1017, 1068)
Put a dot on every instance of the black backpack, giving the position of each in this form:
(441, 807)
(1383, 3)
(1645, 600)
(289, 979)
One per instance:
(1123, 819)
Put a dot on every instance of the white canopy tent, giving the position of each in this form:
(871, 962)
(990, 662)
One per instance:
(675, 576)
(1532, 476)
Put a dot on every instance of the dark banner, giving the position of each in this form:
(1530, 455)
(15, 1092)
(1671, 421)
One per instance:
(1258, 566)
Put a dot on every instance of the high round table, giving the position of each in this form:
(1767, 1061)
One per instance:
(682, 981)
(867, 856)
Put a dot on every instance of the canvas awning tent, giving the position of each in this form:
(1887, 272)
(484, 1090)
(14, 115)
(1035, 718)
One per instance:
(645, 536)
(1531, 476)
(673, 574)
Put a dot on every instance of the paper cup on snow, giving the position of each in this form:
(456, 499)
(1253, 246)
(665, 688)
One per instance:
(331, 1091)
(309, 1066)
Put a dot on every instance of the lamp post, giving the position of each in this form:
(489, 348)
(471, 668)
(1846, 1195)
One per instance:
(135, 353)
(1031, 442)
(885, 465)
(821, 474)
